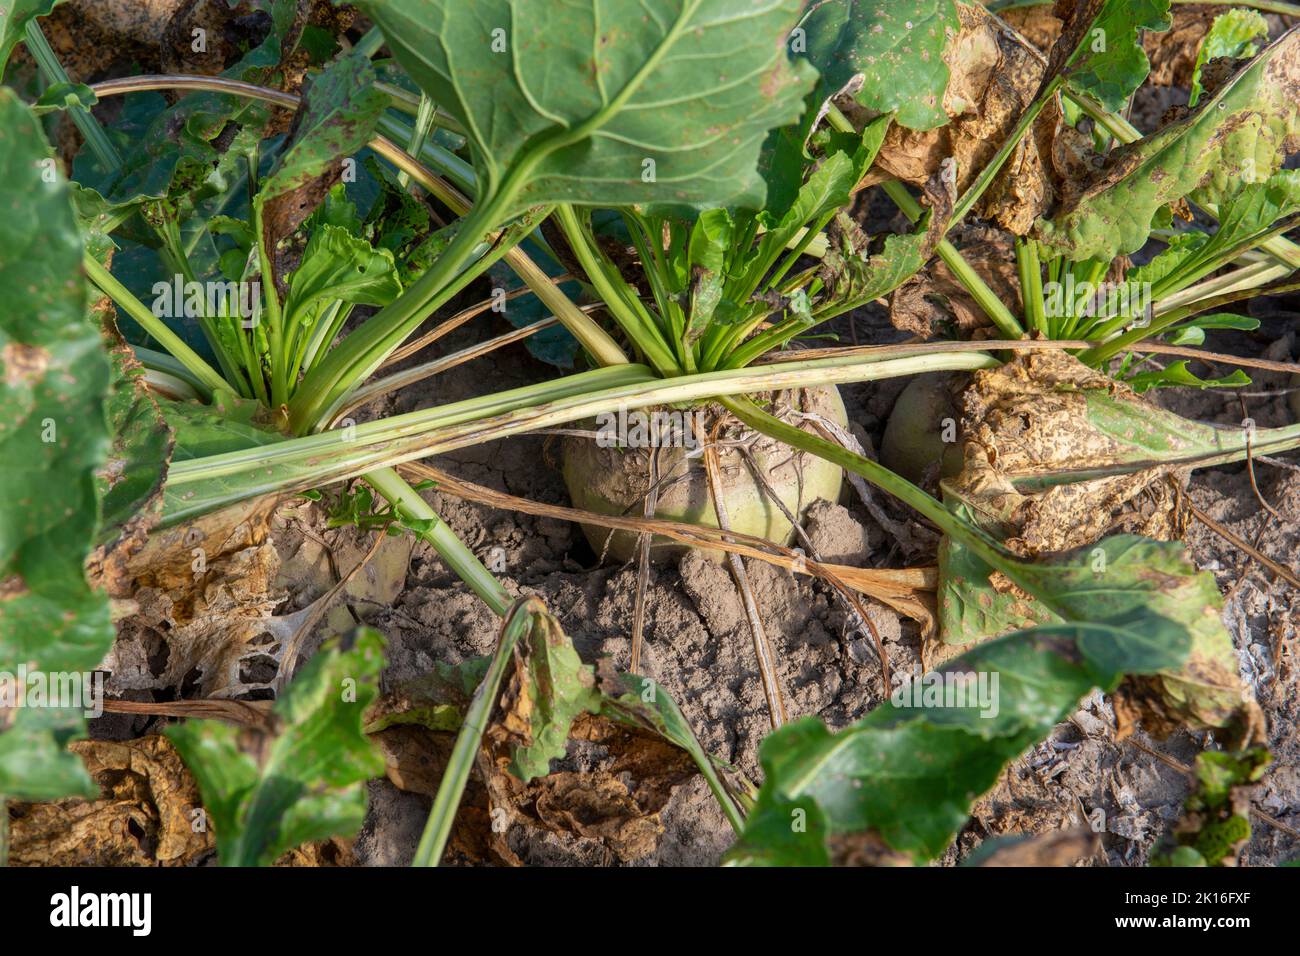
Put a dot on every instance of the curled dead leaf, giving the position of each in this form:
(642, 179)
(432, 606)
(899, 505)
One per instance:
(145, 815)
(332, 852)
(616, 800)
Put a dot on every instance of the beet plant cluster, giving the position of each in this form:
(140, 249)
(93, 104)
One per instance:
(678, 187)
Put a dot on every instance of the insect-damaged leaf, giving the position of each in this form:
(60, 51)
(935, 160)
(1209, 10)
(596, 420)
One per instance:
(53, 435)
(1057, 458)
(310, 786)
(910, 770)
(606, 101)
(895, 48)
(1232, 35)
(1237, 137)
(852, 276)
(337, 118)
(548, 689)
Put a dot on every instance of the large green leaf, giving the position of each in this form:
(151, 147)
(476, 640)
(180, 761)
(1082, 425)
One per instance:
(311, 784)
(897, 48)
(53, 433)
(1122, 576)
(1238, 137)
(910, 770)
(606, 101)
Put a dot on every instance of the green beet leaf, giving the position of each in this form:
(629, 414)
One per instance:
(896, 48)
(910, 770)
(1233, 34)
(1109, 62)
(14, 17)
(53, 432)
(1236, 138)
(311, 784)
(606, 101)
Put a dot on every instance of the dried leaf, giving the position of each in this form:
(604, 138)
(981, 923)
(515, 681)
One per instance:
(144, 816)
(935, 302)
(995, 74)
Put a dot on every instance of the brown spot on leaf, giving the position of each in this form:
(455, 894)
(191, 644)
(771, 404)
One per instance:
(24, 365)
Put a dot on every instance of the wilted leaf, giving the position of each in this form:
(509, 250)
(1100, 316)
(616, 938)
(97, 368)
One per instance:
(1236, 138)
(1173, 52)
(310, 783)
(177, 152)
(643, 747)
(995, 75)
(1057, 848)
(547, 690)
(852, 276)
(626, 102)
(1056, 458)
(935, 301)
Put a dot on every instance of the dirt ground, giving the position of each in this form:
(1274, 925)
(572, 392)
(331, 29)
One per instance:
(698, 644)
